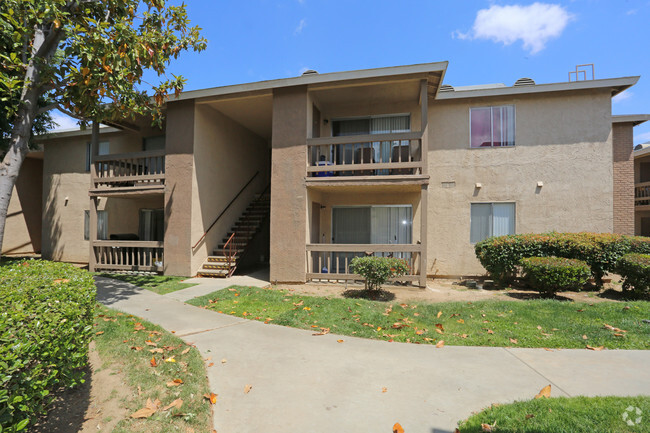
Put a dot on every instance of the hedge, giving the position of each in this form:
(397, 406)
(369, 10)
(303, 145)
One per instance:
(555, 274)
(635, 270)
(46, 316)
(501, 256)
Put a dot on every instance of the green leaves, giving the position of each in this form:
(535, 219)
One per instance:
(45, 327)
(377, 270)
(553, 274)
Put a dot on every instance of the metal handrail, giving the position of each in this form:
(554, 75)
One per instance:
(225, 209)
(229, 254)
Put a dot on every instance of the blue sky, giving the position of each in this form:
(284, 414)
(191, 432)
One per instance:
(484, 41)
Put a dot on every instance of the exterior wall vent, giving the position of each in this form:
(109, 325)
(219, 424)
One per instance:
(446, 88)
(524, 82)
(310, 72)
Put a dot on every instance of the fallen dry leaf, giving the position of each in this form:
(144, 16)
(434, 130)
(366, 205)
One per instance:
(323, 331)
(61, 280)
(136, 348)
(339, 341)
(145, 412)
(584, 337)
(513, 340)
(156, 350)
(211, 364)
(384, 389)
(247, 389)
(529, 416)
(595, 348)
(153, 362)
(170, 359)
(439, 314)
(150, 343)
(185, 350)
(463, 336)
(175, 382)
(489, 331)
(176, 403)
(224, 360)
(439, 326)
(488, 428)
(212, 397)
(397, 428)
(99, 333)
(440, 344)
(460, 321)
(544, 392)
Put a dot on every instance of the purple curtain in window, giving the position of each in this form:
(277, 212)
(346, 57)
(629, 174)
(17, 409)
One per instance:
(480, 127)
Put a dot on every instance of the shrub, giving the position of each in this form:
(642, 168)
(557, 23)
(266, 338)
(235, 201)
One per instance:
(555, 274)
(377, 270)
(635, 270)
(46, 316)
(501, 256)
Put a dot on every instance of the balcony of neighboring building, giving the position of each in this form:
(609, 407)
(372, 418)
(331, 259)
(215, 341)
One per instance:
(133, 172)
(642, 179)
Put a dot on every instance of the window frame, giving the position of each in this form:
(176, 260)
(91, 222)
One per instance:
(86, 226)
(492, 203)
(99, 151)
(492, 107)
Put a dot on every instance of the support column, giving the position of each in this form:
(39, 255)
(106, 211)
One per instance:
(424, 191)
(623, 170)
(92, 210)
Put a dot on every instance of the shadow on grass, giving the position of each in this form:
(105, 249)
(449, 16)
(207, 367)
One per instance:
(619, 295)
(527, 296)
(371, 295)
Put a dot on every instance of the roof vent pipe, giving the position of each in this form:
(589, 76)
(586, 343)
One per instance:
(310, 72)
(524, 82)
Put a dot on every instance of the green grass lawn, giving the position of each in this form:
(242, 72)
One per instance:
(160, 284)
(564, 415)
(537, 323)
(127, 342)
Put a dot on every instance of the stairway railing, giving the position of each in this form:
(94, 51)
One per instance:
(228, 253)
(224, 210)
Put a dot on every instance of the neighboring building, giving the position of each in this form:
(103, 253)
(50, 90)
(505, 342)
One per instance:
(383, 161)
(642, 184)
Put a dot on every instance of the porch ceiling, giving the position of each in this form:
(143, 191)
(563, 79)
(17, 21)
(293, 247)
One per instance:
(379, 91)
(253, 112)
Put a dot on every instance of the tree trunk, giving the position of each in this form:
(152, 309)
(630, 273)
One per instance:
(20, 134)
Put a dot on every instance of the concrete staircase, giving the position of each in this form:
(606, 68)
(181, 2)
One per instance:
(221, 264)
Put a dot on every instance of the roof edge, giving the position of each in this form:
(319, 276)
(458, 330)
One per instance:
(635, 119)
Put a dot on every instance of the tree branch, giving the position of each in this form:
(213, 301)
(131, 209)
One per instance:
(70, 113)
(47, 108)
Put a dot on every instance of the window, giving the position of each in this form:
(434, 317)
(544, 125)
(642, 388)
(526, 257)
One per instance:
(152, 224)
(491, 219)
(492, 126)
(102, 225)
(103, 150)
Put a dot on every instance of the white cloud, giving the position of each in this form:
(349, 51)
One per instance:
(63, 121)
(632, 11)
(534, 25)
(622, 96)
(301, 25)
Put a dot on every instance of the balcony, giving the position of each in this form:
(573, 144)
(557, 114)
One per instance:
(137, 172)
(642, 194)
(366, 158)
(332, 261)
(141, 256)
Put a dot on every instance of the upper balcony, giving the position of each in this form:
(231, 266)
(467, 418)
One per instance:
(642, 195)
(128, 173)
(367, 159)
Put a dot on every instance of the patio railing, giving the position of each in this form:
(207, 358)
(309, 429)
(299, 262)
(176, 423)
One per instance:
(147, 256)
(332, 261)
(137, 169)
(642, 194)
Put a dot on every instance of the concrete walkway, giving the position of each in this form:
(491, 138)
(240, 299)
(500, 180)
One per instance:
(305, 383)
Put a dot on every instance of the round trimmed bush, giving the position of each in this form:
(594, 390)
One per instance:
(635, 270)
(555, 274)
(378, 270)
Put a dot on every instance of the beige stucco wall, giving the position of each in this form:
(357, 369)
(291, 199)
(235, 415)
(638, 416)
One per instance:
(563, 141)
(65, 176)
(226, 156)
(23, 224)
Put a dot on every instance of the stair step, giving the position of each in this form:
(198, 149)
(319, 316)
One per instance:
(216, 258)
(213, 266)
(218, 273)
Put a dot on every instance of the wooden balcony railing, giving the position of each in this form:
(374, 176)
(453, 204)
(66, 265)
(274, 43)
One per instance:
(366, 155)
(129, 170)
(642, 194)
(332, 261)
(147, 256)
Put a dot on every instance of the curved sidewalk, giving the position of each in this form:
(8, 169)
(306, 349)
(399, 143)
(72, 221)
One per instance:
(305, 383)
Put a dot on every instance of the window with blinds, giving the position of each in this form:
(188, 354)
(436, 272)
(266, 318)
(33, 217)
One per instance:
(491, 219)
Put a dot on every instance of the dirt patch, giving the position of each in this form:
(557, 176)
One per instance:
(93, 407)
(449, 290)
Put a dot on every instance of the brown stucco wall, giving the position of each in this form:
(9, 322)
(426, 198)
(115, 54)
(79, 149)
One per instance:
(288, 193)
(562, 140)
(226, 156)
(65, 175)
(23, 225)
(623, 169)
(179, 169)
